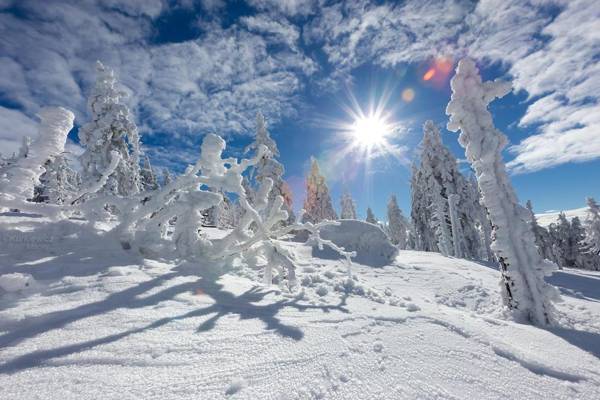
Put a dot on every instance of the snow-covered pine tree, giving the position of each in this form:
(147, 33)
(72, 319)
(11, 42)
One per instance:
(436, 177)
(542, 239)
(166, 177)
(20, 178)
(420, 213)
(347, 206)
(317, 205)
(24, 149)
(592, 238)
(269, 167)
(58, 183)
(371, 217)
(111, 129)
(458, 240)
(148, 179)
(474, 206)
(397, 226)
(524, 289)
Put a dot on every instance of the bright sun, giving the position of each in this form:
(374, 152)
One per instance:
(369, 131)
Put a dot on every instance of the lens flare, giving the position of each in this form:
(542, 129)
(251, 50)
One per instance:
(429, 74)
(438, 71)
(408, 95)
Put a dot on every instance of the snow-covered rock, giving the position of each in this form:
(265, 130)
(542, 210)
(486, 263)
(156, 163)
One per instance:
(371, 244)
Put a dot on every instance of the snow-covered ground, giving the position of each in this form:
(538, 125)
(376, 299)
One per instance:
(99, 323)
(546, 218)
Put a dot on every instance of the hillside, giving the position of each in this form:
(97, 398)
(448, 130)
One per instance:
(101, 323)
(549, 217)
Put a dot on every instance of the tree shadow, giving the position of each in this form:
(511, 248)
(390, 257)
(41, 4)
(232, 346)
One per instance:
(225, 303)
(570, 284)
(586, 341)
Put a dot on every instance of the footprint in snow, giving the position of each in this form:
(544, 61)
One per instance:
(235, 386)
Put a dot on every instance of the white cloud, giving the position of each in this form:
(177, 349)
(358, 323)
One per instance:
(219, 80)
(564, 74)
(215, 83)
(554, 60)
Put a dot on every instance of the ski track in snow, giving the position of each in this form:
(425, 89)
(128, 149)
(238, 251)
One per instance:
(99, 323)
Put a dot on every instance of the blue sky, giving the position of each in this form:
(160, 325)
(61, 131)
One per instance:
(193, 67)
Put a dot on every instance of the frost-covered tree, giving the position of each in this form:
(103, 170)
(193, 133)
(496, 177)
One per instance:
(111, 129)
(269, 167)
(433, 181)
(58, 183)
(592, 239)
(20, 178)
(524, 289)
(24, 149)
(371, 217)
(347, 206)
(199, 188)
(167, 179)
(397, 225)
(542, 238)
(148, 179)
(317, 205)
(458, 240)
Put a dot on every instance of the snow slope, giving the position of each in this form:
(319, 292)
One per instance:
(100, 323)
(546, 218)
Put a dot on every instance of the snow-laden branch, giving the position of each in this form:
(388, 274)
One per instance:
(115, 159)
(20, 178)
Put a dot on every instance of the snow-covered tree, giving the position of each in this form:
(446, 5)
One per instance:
(111, 129)
(317, 205)
(20, 178)
(167, 179)
(371, 217)
(148, 179)
(269, 167)
(524, 289)
(58, 183)
(592, 239)
(542, 237)
(397, 225)
(433, 181)
(199, 188)
(458, 240)
(347, 206)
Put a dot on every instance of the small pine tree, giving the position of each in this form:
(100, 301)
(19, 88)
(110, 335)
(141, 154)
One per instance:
(348, 207)
(371, 217)
(592, 238)
(147, 177)
(317, 205)
(397, 226)
(269, 167)
(58, 183)
(167, 179)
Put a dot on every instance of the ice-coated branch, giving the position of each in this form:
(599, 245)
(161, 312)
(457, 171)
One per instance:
(524, 290)
(93, 188)
(20, 178)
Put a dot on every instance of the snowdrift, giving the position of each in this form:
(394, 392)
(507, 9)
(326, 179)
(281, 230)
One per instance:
(372, 246)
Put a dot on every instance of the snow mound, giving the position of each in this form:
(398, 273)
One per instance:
(372, 246)
(16, 282)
